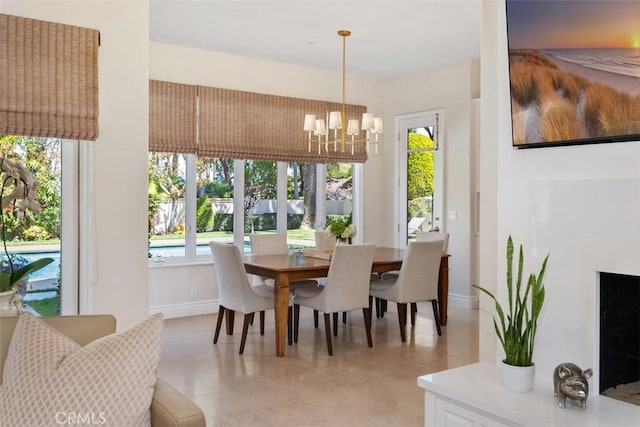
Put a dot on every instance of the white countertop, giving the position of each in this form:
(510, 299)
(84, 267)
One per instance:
(479, 386)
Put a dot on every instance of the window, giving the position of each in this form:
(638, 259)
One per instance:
(51, 290)
(191, 202)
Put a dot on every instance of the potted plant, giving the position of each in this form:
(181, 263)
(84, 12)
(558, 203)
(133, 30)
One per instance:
(17, 195)
(516, 328)
(342, 230)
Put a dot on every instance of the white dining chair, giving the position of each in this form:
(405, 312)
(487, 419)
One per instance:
(276, 244)
(423, 236)
(346, 289)
(426, 236)
(417, 281)
(324, 241)
(235, 292)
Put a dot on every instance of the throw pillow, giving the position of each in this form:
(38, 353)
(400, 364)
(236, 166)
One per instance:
(50, 380)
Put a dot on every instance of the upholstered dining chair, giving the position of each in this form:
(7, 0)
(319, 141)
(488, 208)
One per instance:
(346, 288)
(416, 281)
(276, 244)
(235, 292)
(324, 241)
(425, 236)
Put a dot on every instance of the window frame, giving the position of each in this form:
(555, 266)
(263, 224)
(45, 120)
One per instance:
(191, 257)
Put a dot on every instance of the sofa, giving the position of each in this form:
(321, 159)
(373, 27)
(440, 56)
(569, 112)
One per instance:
(168, 407)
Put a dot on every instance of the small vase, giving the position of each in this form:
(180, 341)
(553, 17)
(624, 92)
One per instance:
(517, 378)
(10, 303)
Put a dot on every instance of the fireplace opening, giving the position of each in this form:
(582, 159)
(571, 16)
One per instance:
(620, 337)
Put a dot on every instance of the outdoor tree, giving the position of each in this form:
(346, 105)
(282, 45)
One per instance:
(419, 173)
(165, 174)
(42, 157)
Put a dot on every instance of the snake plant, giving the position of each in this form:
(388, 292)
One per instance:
(516, 329)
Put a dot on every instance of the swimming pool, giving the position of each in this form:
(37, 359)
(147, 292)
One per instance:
(51, 271)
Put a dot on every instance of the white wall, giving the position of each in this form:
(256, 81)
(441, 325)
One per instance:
(580, 204)
(450, 88)
(119, 170)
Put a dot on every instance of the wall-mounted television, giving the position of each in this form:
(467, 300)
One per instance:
(574, 71)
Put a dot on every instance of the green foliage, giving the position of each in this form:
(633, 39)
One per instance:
(46, 307)
(218, 190)
(35, 232)
(204, 215)
(517, 332)
(339, 170)
(419, 207)
(419, 167)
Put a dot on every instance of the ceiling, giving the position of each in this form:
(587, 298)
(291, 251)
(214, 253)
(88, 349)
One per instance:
(389, 38)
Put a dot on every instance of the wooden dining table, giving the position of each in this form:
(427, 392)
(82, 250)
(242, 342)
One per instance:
(286, 268)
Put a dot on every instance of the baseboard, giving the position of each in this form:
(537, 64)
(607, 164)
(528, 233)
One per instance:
(185, 309)
(463, 301)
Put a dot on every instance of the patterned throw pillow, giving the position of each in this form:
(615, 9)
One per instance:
(50, 380)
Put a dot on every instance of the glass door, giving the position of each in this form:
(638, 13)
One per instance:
(420, 183)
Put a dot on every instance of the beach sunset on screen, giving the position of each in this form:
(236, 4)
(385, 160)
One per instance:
(574, 71)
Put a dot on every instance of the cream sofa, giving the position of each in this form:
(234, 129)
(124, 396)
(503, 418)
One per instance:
(168, 408)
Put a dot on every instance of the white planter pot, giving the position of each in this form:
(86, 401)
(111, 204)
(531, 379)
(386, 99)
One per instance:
(10, 303)
(518, 378)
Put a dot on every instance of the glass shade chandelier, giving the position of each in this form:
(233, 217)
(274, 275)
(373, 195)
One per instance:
(342, 136)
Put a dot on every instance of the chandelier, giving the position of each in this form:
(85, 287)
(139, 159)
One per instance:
(342, 136)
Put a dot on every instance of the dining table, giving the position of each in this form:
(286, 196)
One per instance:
(286, 268)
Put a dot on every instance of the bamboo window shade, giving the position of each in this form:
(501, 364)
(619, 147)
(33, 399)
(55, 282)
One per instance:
(48, 79)
(172, 117)
(234, 124)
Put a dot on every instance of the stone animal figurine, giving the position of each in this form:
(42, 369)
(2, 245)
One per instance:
(570, 381)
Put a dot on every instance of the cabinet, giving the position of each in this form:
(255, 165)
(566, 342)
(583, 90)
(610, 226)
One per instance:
(473, 396)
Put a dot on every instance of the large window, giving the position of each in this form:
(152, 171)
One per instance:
(195, 200)
(38, 234)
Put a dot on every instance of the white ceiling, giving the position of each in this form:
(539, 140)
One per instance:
(389, 38)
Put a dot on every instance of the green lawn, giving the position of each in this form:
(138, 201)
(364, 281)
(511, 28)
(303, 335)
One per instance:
(46, 307)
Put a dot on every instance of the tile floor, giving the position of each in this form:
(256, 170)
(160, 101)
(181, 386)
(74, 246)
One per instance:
(357, 386)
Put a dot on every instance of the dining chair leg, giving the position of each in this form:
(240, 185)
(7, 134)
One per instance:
(315, 319)
(383, 308)
(366, 312)
(414, 310)
(344, 317)
(402, 320)
(327, 331)
(218, 324)
(262, 323)
(231, 315)
(335, 324)
(377, 307)
(436, 316)
(289, 326)
(245, 327)
(296, 321)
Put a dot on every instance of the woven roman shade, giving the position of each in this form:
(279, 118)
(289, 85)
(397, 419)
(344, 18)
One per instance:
(172, 117)
(246, 125)
(48, 79)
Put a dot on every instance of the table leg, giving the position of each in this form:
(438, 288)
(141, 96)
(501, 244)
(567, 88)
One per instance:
(281, 306)
(443, 289)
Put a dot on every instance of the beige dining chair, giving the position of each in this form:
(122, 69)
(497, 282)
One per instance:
(423, 236)
(416, 281)
(346, 288)
(235, 292)
(276, 244)
(426, 236)
(324, 241)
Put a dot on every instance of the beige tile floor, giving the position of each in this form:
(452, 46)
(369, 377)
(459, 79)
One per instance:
(357, 386)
